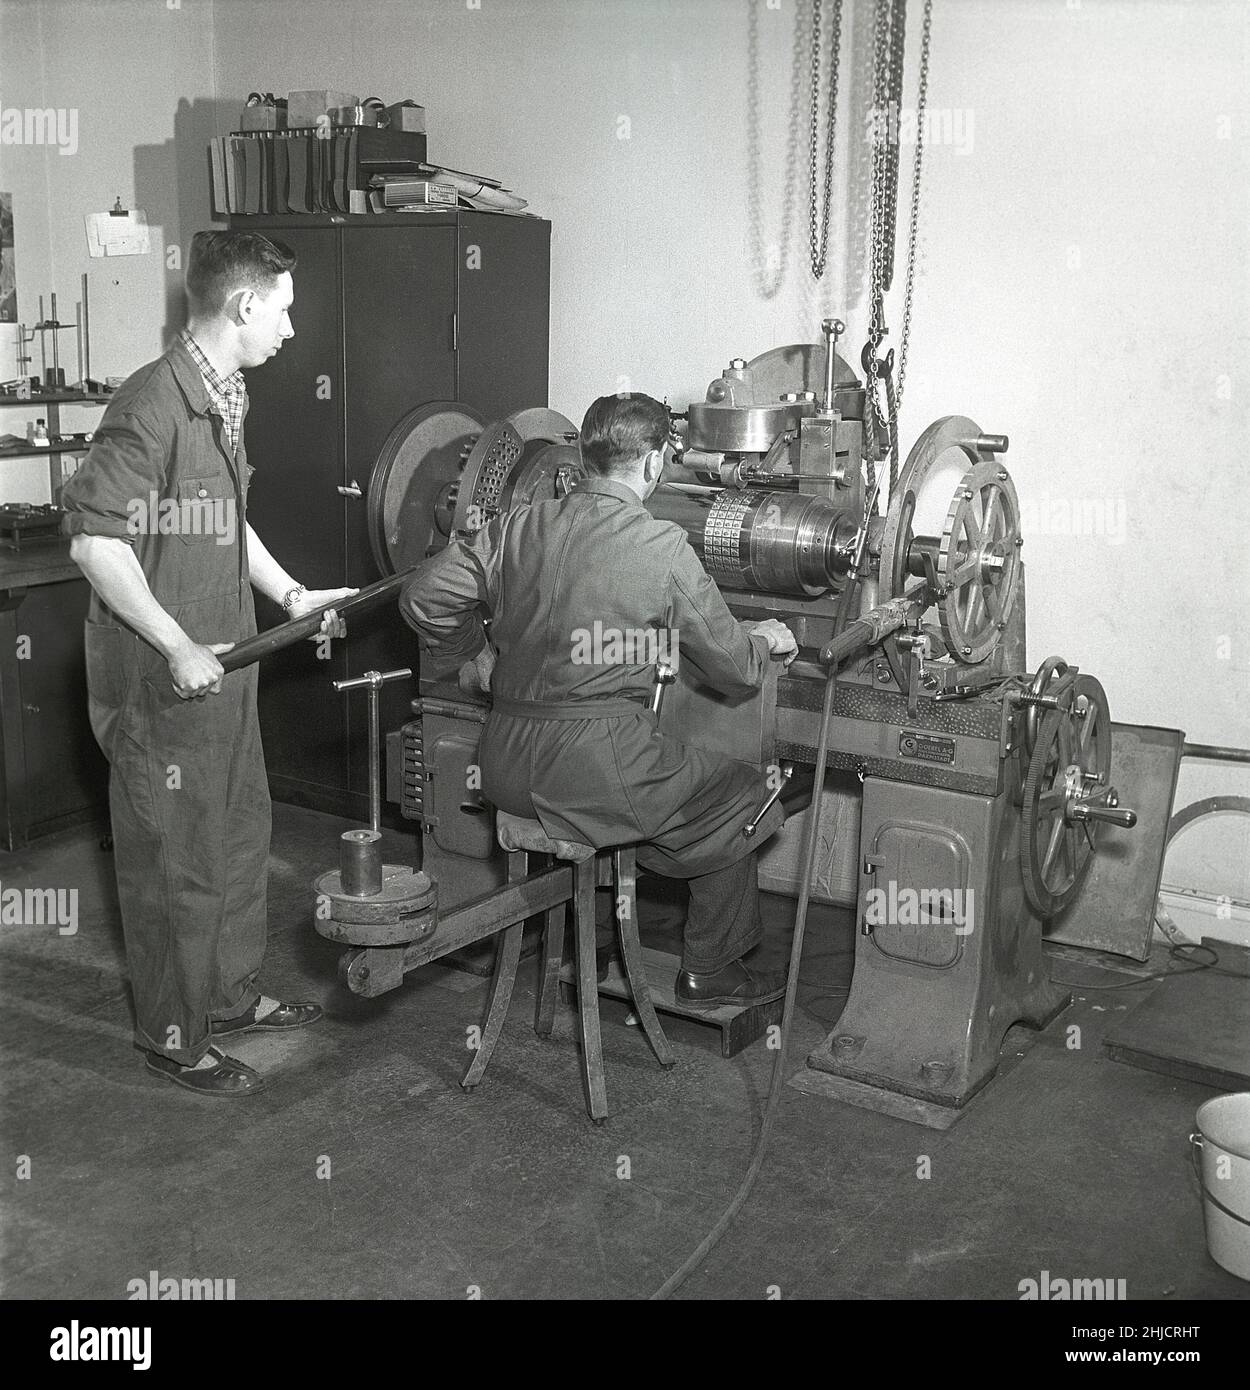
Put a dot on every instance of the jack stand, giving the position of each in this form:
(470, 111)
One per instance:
(365, 903)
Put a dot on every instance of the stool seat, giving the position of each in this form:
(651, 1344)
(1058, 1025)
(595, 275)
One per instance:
(518, 833)
(522, 837)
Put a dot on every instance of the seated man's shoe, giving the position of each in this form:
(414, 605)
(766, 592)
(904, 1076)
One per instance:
(605, 958)
(229, 1078)
(737, 983)
(276, 1020)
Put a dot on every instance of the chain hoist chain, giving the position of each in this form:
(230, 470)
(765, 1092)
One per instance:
(922, 95)
(877, 199)
(897, 46)
(891, 399)
(818, 211)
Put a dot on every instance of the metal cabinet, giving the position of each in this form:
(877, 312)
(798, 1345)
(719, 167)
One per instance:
(52, 773)
(391, 311)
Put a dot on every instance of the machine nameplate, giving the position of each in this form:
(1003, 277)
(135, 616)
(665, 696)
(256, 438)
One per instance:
(977, 718)
(928, 748)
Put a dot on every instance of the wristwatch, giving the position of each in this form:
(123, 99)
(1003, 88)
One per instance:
(292, 597)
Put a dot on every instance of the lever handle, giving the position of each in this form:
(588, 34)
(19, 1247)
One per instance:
(1113, 815)
(749, 829)
(351, 490)
(664, 675)
(372, 679)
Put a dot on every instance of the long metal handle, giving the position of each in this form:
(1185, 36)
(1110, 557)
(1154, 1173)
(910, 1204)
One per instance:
(288, 633)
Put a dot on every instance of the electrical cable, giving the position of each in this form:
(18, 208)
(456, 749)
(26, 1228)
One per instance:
(709, 1242)
(1175, 954)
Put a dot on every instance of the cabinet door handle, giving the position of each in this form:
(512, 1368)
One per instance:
(352, 490)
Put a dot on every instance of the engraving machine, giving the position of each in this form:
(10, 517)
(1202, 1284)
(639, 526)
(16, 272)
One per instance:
(986, 787)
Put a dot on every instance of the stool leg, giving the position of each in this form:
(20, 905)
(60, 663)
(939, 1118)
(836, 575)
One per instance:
(549, 970)
(588, 991)
(625, 874)
(507, 956)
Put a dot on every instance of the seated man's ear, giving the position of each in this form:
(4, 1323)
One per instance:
(653, 465)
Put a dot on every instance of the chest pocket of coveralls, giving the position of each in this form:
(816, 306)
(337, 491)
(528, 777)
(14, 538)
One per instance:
(208, 511)
(207, 538)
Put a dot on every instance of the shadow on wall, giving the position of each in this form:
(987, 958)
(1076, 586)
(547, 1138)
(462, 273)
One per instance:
(852, 156)
(172, 183)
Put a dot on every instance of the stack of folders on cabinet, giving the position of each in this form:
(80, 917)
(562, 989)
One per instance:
(356, 169)
(309, 170)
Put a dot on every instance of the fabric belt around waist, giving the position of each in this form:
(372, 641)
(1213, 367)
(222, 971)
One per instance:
(569, 709)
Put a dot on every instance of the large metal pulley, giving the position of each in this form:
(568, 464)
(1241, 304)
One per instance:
(1067, 789)
(528, 456)
(443, 471)
(973, 566)
(411, 495)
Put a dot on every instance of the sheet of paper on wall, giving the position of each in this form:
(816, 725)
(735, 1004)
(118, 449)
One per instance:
(114, 234)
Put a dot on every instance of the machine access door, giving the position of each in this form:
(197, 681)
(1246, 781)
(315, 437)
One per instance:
(915, 902)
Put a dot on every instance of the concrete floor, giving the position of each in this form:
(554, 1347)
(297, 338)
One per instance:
(1070, 1163)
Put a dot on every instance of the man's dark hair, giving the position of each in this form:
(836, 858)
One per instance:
(223, 263)
(620, 429)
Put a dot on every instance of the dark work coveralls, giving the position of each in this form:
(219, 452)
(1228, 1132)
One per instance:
(573, 744)
(187, 791)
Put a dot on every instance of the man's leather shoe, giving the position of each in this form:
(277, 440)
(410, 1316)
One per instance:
(277, 1020)
(737, 983)
(605, 956)
(229, 1078)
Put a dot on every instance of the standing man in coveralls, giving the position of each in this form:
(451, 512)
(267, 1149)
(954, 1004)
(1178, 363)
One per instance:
(573, 744)
(157, 513)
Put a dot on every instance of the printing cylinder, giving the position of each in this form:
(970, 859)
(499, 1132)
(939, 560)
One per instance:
(767, 542)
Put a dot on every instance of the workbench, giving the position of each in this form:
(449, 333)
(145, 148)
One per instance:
(52, 772)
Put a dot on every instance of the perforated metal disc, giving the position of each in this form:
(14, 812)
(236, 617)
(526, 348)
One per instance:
(412, 484)
(501, 459)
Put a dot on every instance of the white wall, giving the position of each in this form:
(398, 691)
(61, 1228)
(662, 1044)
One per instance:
(131, 73)
(1083, 282)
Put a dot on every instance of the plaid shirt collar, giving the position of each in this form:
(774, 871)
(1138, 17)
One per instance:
(228, 394)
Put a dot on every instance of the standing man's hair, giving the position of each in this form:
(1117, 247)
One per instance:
(619, 430)
(223, 263)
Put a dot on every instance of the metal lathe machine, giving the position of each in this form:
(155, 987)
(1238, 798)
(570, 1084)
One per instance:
(986, 786)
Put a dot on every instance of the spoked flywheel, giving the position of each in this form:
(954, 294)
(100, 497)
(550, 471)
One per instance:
(1067, 792)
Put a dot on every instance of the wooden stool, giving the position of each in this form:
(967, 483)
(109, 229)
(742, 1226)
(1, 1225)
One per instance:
(521, 838)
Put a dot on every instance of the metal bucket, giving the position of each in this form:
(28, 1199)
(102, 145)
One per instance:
(1223, 1141)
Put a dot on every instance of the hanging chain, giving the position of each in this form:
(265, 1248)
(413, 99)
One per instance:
(896, 45)
(818, 212)
(917, 162)
(877, 208)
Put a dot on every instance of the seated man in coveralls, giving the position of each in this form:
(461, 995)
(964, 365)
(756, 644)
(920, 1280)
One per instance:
(572, 743)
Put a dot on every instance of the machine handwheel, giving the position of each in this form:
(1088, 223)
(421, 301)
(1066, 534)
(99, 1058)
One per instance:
(978, 562)
(1071, 763)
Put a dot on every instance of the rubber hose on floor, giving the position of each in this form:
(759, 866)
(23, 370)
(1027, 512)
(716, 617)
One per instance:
(775, 1085)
